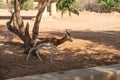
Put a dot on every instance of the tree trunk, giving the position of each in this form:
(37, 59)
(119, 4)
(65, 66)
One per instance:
(6, 1)
(69, 13)
(16, 24)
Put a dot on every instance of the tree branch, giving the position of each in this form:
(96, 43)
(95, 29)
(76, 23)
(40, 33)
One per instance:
(9, 25)
(38, 19)
(28, 39)
(18, 19)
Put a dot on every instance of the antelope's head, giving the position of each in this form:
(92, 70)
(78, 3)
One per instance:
(69, 38)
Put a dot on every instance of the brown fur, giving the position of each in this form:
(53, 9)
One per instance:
(53, 40)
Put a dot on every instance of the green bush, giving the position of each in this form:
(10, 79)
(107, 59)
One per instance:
(76, 5)
(117, 5)
(12, 2)
(28, 4)
(1, 3)
(107, 3)
(64, 5)
(25, 6)
(110, 5)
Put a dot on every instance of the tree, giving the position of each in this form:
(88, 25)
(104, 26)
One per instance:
(16, 24)
(108, 4)
(65, 5)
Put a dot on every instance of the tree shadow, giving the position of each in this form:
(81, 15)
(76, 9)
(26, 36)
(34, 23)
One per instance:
(13, 62)
(16, 66)
(108, 38)
(5, 34)
(103, 72)
(24, 17)
(10, 52)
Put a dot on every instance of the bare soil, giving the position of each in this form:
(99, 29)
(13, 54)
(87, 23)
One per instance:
(96, 42)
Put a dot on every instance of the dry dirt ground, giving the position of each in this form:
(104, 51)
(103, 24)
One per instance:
(96, 42)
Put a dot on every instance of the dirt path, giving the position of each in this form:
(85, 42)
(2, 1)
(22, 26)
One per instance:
(96, 42)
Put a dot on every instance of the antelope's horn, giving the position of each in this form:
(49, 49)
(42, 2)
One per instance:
(67, 32)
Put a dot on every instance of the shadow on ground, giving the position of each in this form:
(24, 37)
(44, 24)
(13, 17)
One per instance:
(8, 17)
(110, 38)
(13, 62)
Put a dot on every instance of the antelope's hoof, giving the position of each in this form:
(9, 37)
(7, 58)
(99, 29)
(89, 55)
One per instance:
(26, 59)
(41, 60)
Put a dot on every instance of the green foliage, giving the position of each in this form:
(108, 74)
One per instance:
(76, 5)
(108, 3)
(28, 4)
(1, 4)
(12, 2)
(117, 5)
(64, 5)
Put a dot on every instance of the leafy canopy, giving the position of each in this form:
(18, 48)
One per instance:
(27, 4)
(108, 3)
(64, 5)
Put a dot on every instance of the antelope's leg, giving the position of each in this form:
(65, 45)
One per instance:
(51, 56)
(29, 53)
(37, 52)
(58, 52)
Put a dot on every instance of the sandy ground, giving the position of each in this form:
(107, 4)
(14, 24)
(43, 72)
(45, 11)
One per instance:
(96, 39)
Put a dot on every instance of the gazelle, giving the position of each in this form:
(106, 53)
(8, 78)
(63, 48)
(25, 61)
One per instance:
(49, 42)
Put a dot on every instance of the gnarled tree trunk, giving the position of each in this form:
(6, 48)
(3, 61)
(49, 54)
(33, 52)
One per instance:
(16, 24)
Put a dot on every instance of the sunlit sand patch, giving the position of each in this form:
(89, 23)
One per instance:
(88, 47)
(8, 52)
(1, 44)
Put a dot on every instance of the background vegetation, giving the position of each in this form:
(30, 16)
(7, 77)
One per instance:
(110, 4)
(73, 6)
(1, 4)
(25, 6)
